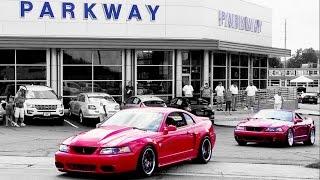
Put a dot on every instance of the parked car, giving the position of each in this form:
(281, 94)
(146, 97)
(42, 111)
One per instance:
(2, 111)
(141, 141)
(286, 127)
(309, 98)
(93, 106)
(197, 106)
(143, 101)
(42, 103)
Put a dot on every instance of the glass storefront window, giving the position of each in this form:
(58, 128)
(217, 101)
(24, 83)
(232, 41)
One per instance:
(263, 73)
(185, 59)
(244, 61)
(109, 87)
(154, 57)
(7, 57)
(219, 73)
(235, 73)
(154, 88)
(77, 72)
(235, 61)
(31, 57)
(7, 88)
(219, 59)
(77, 57)
(244, 73)
(256, 73)
(31, 73)
(92, 71)
(154, 72)
(107, 72)
(7, 73)
(107, 57)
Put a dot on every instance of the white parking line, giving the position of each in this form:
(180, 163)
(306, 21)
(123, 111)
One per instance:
(71, 124)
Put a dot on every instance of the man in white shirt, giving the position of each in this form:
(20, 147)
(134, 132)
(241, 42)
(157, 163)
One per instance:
(251, 93)
(220, 93)
(234, 91)
(188, 90)
(278, 101)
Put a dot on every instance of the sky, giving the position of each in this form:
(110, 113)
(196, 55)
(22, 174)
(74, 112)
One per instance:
(302, 22)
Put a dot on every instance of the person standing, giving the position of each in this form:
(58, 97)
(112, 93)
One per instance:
(128, 91)
(220, 93)
(278, 100)
(251, 93)
(228, 99)
(234, 91)
(188, 90)
(206, 92)
(10, 112)
(19, 108)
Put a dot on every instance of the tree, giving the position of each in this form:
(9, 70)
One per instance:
(302, 57)
(275, 63)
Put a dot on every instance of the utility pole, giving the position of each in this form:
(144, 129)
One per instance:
(285, 41)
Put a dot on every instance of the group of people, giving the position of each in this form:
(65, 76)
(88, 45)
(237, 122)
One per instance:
(14, 110)
(230, 95)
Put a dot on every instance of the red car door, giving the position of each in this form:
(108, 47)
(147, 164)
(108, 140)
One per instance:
(299, 127)
(176, 145)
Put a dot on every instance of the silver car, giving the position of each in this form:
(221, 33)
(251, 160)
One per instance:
(93, 107)
(143, 101)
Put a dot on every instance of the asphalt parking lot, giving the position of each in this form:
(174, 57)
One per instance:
(28, 152)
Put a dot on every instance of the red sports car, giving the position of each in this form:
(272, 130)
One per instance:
(138, 140)
(274, 126)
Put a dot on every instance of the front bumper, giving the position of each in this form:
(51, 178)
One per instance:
(44, 114)
(252, 136)
(97, 164)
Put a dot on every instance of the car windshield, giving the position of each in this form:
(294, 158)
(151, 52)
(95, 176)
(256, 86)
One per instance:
(273, 115)
(154, 103)
(48, 94)
(141, 120)
(101, 98)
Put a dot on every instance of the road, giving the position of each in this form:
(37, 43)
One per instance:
(27, 153)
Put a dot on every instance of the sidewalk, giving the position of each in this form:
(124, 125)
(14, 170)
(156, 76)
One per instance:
(224, 119)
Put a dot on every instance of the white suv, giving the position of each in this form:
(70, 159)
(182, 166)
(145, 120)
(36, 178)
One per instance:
(41, 102)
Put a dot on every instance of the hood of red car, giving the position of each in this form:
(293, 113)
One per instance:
(108, 136)
(265, 123)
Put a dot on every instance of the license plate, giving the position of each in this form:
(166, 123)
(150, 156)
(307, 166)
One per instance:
(46, 114)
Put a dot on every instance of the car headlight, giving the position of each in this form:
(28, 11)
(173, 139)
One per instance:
(113, 151)
(272, 129)
(30, 105)
(92, 107)
(240, 128)
(64, 148)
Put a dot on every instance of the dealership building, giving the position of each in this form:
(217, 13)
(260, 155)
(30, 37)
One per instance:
(157, 45)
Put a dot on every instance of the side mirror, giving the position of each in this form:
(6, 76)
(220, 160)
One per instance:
(98, 125)
(169, 128)
(298, 121)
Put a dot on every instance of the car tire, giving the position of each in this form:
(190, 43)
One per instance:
(205, 151)
(81, 118)
(290, 138)
(311, 137)
(241, 143)
(147, 163)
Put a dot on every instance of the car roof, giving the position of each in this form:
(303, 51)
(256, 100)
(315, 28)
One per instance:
(37, 88)
(149, 98)
(165, 110)
(282, 110)
(95, 94)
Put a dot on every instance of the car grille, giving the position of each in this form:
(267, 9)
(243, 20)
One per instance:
(82, 167)
(256, 129)
(46, 107)
(84, 150)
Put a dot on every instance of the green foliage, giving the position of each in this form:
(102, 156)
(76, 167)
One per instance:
(302, 57)
(275, 63)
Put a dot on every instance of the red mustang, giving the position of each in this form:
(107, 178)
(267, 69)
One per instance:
(275, 126)
(138, 140)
